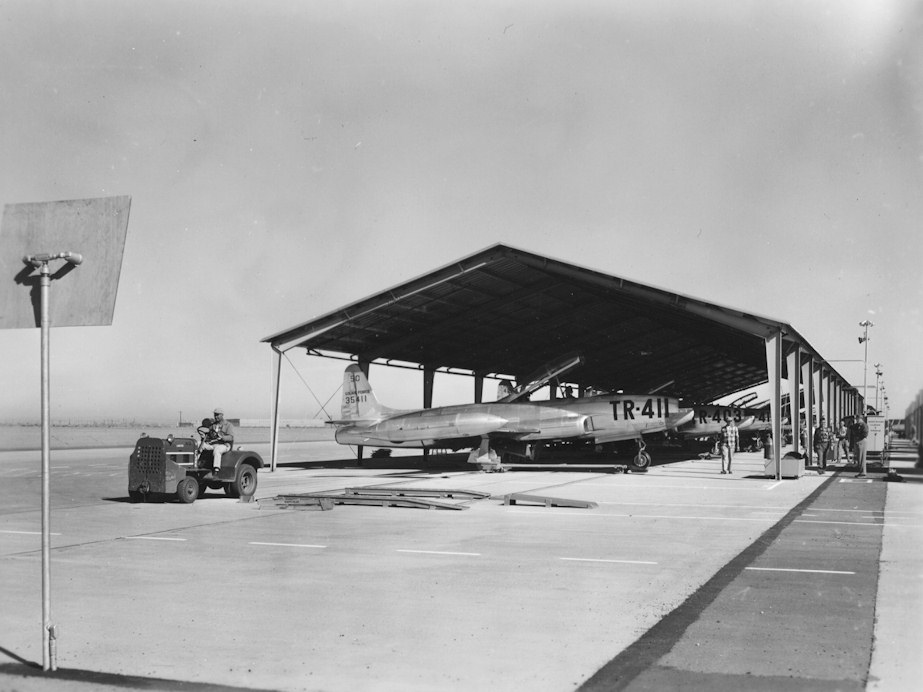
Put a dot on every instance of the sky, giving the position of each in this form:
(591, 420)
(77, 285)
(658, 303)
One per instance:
(285, 159)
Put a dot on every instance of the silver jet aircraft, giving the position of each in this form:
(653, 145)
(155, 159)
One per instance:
(708, 419)
(365, 421)
(506, 424)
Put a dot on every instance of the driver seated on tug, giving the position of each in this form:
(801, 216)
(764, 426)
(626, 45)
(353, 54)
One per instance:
(218, 439)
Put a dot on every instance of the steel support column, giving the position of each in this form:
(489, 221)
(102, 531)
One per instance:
(274, 408)
(807, 376)
(793, 362)
(774, 370)
(429, 377)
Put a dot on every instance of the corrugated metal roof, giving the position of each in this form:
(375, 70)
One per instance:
(504, 310)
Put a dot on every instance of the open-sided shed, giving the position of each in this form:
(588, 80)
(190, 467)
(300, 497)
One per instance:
(506, 312)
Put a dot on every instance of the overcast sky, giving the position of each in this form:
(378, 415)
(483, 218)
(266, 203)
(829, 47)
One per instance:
(287, 158)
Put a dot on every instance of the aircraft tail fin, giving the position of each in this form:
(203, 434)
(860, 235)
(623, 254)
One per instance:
(359, 402)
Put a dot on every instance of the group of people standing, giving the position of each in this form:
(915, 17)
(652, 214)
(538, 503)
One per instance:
(849, 438)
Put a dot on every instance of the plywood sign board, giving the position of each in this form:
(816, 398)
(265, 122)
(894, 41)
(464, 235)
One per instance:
(81, 295)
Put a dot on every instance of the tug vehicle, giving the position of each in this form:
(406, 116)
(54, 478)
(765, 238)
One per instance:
(172, 466)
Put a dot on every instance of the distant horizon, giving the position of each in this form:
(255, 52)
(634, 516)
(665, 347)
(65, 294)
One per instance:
(134, 422)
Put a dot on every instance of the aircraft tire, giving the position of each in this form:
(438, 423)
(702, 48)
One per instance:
(642, 460)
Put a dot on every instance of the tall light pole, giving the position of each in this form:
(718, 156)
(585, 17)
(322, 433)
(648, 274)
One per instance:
(877, 383)
(864, 339)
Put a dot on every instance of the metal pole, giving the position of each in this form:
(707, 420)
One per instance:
(48, 657)
(877, 384)
(274, 423)
(865, 370)
(865, 363)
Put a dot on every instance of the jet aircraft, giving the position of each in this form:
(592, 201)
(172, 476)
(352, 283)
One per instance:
(708, 419)
(615, 417)
(509, 424)
(365, 421)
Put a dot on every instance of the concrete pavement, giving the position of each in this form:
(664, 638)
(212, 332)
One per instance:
(224, 594)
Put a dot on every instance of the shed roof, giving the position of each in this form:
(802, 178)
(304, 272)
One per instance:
(505, 311)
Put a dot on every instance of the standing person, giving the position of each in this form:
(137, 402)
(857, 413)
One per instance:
(851, 436)
(220, 440)
(822, 444)
(842, 432)
(860, 433)
(728, 442)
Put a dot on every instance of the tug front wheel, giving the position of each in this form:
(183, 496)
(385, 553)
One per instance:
(187, 490)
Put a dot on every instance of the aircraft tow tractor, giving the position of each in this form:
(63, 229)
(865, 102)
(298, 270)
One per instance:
(170, 467)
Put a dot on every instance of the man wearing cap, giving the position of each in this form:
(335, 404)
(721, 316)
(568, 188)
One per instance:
(220, 440)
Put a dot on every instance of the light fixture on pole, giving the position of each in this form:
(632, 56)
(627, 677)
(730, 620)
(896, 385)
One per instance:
(864, 339)
(40, 262)
(30, 235)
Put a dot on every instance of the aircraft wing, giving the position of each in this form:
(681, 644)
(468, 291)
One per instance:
(352, 421)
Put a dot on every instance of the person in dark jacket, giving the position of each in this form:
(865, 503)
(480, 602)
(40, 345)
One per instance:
(860, 435)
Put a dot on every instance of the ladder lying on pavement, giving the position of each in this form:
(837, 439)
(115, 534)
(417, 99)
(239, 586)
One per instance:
(524, 498)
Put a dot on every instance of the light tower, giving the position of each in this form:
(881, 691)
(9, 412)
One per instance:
(864, 339)
(878, 374)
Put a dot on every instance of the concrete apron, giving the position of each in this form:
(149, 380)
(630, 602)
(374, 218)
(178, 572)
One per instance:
(793, 611)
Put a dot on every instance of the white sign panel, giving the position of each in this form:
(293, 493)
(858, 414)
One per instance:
(876, 439)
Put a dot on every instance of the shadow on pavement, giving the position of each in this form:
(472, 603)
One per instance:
(25, 670)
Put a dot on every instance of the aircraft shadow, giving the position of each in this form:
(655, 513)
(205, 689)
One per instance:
(416, 462)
